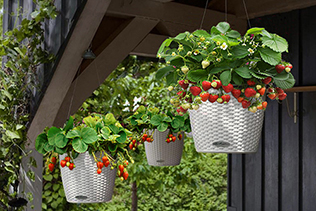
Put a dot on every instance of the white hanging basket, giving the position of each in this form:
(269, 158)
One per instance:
(161, 153)
(83, 184)
(226, 128)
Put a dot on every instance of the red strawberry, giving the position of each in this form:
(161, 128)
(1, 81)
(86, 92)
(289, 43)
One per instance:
(279, 90)
(264, 104)
(99, 171)
(180, 136)
(189, 100)
(228, 88)
(63, 163)
(251, 83)
(100, 165)
(289, 66)
(240, 99)
(236, 93)
(204, 96)
(249, 92)
(183, 110)
(51, 167)
(107, 163)
(168, 140)
(174, 138)
(67, 159)
(181, 94)
(148, 139)
(272, 96)
(282, 96)
(125, 163)
(271, 90)
(226, 98)
(213, 98)
(262, 91)
(220, 100)
(216, 84)
(125, 175)
(191, 82)
(104, 159)
(206, 85)
(179, 112)
(72, 166)
(279, 68)
(267, 80)
(53, 160)
(195, 90)
(121, 168)
(245, 103)
(183, 84)
(131, 146)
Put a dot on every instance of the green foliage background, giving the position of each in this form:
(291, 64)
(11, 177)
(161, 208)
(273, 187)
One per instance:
(198, 183)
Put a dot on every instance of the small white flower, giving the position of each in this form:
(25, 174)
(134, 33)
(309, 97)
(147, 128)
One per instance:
(224, 46)
(173, 54)
(244, 44)
(250, 51)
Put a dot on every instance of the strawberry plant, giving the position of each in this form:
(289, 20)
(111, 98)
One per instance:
(221, 61)
(96, 133)
(145, 119)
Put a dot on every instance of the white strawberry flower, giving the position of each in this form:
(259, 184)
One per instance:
(250, 50)
(224, 46)
(173, 54)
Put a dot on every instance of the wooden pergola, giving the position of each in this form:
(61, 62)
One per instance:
(114, 29)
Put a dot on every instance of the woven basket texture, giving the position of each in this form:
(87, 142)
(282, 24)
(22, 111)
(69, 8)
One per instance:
(226, 128)
(161, 153)
(83, 184)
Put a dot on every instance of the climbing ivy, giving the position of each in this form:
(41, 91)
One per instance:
(22, 52)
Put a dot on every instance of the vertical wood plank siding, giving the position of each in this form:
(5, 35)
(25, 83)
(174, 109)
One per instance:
(282, 174)
(56, 33)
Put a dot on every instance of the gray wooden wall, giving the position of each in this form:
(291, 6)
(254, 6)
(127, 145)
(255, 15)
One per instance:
(56, 36)
(57, 32)
(281, 176)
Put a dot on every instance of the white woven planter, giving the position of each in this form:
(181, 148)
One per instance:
(83, 184)
(161, 153)
(226, 128)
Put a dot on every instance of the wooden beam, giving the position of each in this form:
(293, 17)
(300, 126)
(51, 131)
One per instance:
(149, 46)
(302, 89)
(79, 41)
(176, 13)
(91, 78)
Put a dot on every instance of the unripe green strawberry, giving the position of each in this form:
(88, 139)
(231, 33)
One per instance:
(257, 95)
(186, 106)
(258, 87)
(195, 107)
(219, 100)
(170, 88)
(205, 64)
(172, 101)
(185, 69)
(287, 69)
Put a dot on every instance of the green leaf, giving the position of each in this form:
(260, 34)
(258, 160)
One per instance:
(244, 72)
(7, 94)
(276, 43)
(156, 120)
(48, 177)
(89, 135)
(282, 76)
(237, 79)
(61, 141)
(162, 72)
(219, 69)
(254, 31)
(258, 75)
(90, 121)
(233, 34)
(201, 33)
(79, 146)
(56, 187)
(48, 147)
(122, 137)
(180, 36)
(225, 77)
(223, 27)
(270, 56)
(105, 132)
(73, 133)
(197, 75)
(285, 84)
(162, 127)
(109, 119)
(112, 147)
(61, 150)
(167, 119)
(239, 51)
(114, 129)
(172, 78)
(69, 124)
(165, 43)
(12, 134)
(52, 134)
